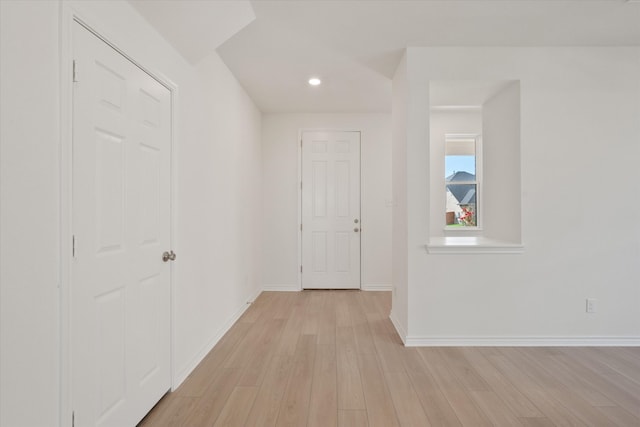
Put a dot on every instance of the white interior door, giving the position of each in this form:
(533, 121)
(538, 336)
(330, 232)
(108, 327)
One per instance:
(331, 210)
(120, 307)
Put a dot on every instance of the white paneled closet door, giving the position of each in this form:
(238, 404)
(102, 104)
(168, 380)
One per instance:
(120, 294)
(331, 223)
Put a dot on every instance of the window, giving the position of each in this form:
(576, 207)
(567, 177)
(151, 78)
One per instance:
(462, 173)
(475, 201)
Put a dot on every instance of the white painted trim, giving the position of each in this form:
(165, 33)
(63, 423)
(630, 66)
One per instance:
(399, 329)
(281, 288)
(377, 287)
(478, 341)
(69, 15)
(471, 245)
(195, 361)
(456, 108)
(299, 186)
(173, 240)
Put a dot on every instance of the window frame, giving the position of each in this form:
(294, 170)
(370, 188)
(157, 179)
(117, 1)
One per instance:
(477, 140)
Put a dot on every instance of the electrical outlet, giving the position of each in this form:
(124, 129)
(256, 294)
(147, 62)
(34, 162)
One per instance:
(592, 305)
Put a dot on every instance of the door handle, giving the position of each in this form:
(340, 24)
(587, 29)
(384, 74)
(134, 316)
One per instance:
(356, 229)
(168, 256)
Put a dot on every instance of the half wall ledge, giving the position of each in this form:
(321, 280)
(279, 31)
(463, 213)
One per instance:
(472, 245)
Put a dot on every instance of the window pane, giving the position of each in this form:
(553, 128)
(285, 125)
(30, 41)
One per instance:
(461, 205)
(455, 164)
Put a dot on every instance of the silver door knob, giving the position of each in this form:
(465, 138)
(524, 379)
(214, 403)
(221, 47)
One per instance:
(356, 229)
(168, 256)
(356, 220)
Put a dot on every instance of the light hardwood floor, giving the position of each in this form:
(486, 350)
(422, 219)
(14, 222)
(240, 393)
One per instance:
(332, 358)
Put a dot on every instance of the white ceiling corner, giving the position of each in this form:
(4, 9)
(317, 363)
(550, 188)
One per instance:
(195, 28)
(274, 46)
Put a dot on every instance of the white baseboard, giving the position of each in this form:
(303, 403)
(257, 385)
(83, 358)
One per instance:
(184, 372)
(489, 341)
(281, 288)
(520, 341)
(296, 288)
(399, 329)
(376, 287)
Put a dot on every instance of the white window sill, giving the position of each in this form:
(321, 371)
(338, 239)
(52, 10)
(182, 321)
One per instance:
(461, 229)
(472, 245)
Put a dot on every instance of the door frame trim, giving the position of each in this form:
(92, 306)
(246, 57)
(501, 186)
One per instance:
(301, 131)
(68, 16)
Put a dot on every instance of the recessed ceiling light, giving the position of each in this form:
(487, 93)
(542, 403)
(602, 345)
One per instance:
(314, 81)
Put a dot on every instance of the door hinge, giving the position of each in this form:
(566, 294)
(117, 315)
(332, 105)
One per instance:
(75, 71)
(300, 227)
(300, 143)
(300, 185)
(300, 269)
(73, 246)
(73, 419)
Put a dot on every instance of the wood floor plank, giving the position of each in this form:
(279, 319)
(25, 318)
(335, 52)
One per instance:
(619, 416)
(294, 408)
(363, 335)
(352, 418)
(579, 385)
(380, 409)
(327, 320)
(235, 411)
(500, 384)
(463, 370)
(261, 355)
(570, 397)
(607, 384)
(349, 382)
(283, 304)
(434, 403)
(535, 422)
(265, 409)
(494, 409)
(407, 404)
(312, 313)
(289, 338)
(632, 352)
(463, 405)
(387, 348)
(343, 318)
(510, 362)
(618, 361)
(209, 407)
(246, 348)
(323, 407)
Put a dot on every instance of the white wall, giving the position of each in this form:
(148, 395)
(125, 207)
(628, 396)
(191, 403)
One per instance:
(29, 261)
(399, 244)
(580, 127)
(280, 139)
(502, 165)
(218, 162)
(218, 212)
